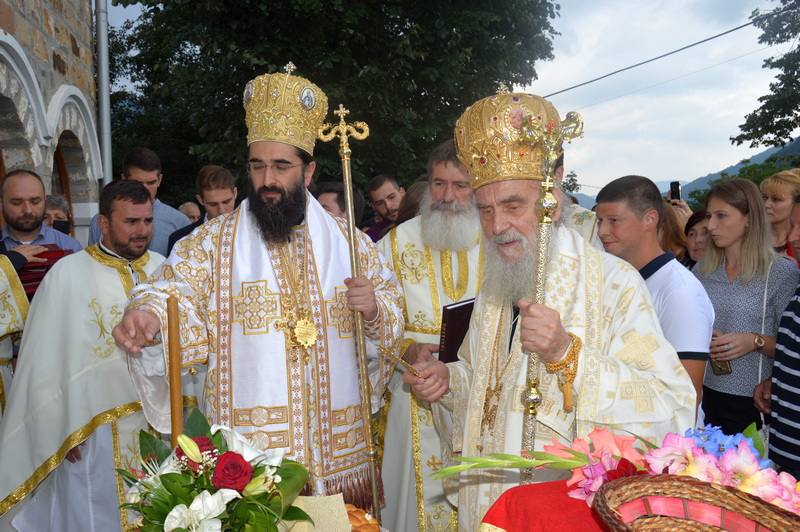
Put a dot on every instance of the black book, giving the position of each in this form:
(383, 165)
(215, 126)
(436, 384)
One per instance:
(455, 323)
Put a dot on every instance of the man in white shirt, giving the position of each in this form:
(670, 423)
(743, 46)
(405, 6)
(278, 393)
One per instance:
(630, 211)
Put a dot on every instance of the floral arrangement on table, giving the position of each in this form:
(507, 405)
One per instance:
(706, 454)
(213, 481)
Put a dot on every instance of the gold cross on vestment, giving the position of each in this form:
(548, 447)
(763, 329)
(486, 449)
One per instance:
(638, 350)
(433, 463)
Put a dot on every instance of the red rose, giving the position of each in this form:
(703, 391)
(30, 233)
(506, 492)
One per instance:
(232, 472)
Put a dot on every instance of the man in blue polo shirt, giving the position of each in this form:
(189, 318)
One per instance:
(780, 395)
(630, 211)
(144, 166)
(25, 234)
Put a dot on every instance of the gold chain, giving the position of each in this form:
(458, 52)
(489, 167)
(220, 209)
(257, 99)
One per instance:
(297, 324)
(491, 401)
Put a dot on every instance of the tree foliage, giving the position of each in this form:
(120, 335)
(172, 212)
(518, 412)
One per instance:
(754, 172)
(773, 123)
(408, 69)
(570, 183)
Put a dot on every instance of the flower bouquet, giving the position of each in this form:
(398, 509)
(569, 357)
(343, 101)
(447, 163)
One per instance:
(706, 454)
(213, 481)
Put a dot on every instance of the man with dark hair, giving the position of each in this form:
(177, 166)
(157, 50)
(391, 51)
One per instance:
(330, 194)
(144, 166)
(384, 196)
(25, 234)
(437, 258)
(266, 302)
(73, 414)
(216, 192)
(630, 211)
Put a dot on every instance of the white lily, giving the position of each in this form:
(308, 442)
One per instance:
(239, 444)
(169, 465)
(201, 515)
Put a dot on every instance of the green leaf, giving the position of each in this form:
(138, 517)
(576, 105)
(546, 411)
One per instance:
(752, 432)
(293, 513)
(128, 477)
(196, 424)
(152, 449)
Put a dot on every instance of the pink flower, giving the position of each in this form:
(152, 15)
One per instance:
(596, 475)
(599, 440)
(704, 466)
(621, 446)
(789, 497)
(673, 455)
(558, 449)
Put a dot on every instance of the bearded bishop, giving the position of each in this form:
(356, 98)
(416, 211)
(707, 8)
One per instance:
(595, 342)
(266, 302)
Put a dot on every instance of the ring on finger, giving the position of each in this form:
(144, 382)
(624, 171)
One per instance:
(728, 347)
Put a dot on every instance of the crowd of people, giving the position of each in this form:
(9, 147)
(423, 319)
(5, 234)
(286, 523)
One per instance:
(653, 318)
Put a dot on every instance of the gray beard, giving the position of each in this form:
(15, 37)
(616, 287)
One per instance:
(506, 282)
(448, 225)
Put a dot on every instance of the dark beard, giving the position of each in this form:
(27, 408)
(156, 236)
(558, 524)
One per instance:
(275, 220)
(26, 225)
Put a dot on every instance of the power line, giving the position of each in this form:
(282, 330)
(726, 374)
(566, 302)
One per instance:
(671, 79)
(672, 52)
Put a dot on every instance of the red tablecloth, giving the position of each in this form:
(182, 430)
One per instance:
(544, 507)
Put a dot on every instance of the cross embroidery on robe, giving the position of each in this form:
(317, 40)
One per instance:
(339, 315)
(581, 217)
(638, 350)
(255, 306)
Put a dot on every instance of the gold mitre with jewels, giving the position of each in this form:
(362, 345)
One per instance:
(284, 108)
(507, 136)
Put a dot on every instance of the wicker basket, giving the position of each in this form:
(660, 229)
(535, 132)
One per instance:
(679, 503)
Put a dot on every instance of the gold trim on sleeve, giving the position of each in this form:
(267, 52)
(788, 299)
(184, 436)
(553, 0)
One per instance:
(16, 287)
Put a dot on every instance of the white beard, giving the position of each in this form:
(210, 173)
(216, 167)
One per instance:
(507, 281)
(448, 225)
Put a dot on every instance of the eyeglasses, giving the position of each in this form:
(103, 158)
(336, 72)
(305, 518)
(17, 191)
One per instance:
(260, 169)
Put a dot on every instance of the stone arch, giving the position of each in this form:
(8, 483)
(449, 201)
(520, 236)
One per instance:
(17, 126)
(77, 139)
(18, 82)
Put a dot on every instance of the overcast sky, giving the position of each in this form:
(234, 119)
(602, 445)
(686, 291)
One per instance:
(668, 120)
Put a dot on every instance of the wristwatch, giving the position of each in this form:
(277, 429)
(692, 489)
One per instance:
(758, 342)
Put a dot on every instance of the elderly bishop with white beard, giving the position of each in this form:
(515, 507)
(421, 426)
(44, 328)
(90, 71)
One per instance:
(601, 358)
(437, 257)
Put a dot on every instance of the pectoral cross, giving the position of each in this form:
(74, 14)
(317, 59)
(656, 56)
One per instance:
(300, 331)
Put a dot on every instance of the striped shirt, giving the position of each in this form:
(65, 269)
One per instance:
(784, 431)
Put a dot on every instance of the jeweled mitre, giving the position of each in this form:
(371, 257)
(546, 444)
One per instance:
(490, 141)
(284, 108)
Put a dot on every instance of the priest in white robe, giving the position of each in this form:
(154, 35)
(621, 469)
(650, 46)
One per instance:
(13, 311)
(601, 358)
(266, 302)
(437, 258)
(72, 395)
